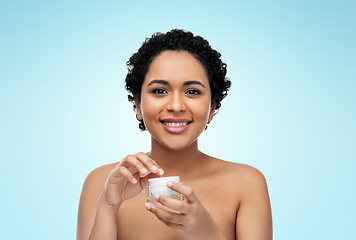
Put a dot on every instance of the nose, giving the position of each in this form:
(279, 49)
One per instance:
(176, 103)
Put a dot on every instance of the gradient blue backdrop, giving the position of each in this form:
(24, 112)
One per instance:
(290, 111)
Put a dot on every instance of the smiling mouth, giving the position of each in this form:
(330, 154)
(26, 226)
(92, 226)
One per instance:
(175, 124)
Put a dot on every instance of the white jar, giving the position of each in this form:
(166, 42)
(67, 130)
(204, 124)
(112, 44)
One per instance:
(159, 186)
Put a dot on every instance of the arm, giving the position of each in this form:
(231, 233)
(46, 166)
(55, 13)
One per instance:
(93, 213)
(254, 217)
(105, 221)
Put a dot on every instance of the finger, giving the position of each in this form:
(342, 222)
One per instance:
(149, 163)
(165, 216)
(120, 171)
(174, 204)
(134, 165)
(152, 175)
(188, 192)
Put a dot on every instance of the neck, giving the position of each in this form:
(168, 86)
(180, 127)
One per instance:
(184, 163)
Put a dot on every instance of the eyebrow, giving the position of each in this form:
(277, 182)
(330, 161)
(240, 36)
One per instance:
(158, 81)
(186, 83)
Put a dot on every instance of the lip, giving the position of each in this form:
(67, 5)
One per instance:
(175, 130)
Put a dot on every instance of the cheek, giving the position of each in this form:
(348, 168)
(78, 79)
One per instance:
(201, 109)
(151, 106)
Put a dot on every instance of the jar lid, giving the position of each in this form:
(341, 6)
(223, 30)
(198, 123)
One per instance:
(163, 180)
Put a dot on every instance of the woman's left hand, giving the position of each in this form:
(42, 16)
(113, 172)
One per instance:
(191, 219)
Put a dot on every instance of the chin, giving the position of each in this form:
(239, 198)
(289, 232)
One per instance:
(175, 148)
(175, 145)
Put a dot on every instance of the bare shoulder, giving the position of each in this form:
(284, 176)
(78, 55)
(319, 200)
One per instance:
(94, 183)
(96, 178)
(239, 170)
(246, 173)
(245, 178)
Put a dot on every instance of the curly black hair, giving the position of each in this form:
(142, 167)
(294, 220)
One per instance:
(178, 40)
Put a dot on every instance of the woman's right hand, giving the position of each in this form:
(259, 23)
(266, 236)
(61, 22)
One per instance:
(129, 178)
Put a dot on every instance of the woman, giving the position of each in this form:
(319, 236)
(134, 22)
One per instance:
(176, 82)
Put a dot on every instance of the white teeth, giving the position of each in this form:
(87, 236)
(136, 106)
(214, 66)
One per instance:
(172, 124)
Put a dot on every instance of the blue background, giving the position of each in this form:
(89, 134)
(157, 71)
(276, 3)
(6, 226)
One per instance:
(290, 111)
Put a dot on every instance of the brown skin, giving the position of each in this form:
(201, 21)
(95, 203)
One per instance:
(224, 200)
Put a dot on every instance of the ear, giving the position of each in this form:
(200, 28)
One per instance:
(211, 113)
(138, 109)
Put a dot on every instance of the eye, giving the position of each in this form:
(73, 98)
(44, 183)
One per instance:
(193, 92)
(159, 91)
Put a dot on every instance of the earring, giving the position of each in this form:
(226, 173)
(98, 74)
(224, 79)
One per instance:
(206, 127)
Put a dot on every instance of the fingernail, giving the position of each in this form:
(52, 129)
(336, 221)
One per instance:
(134, 180)
(156, 197)
(143, 170)
(169, 184)
(154, 169)
(160, 171)
(147, 206)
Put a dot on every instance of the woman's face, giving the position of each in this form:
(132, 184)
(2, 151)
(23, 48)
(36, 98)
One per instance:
(175, 99)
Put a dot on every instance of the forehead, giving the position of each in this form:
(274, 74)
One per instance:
(176, 66)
